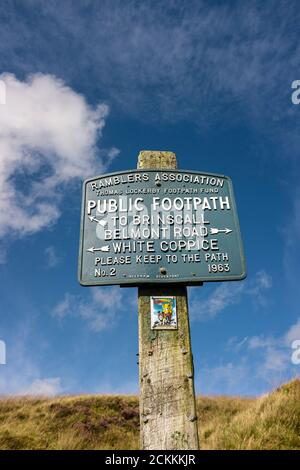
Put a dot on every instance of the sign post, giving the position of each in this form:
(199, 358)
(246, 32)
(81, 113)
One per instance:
(161, 229)
(168, 416)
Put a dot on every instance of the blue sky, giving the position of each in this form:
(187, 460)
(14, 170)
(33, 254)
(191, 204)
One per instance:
(90, 84)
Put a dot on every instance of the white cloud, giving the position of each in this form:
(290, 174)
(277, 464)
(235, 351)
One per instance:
(2, 352)
(110, 387)
(65, 306)
(229, 293)
(292, 334)
(274, 352)
(291, 238)
(48, 137)
(22, 373)
(203, 57)
(274, 355)
(235, 344)
(275, 360)
(101, 311)
(258, 364)
(228, 378)
(257, 342)
(51, 256)
(262, 281)
(47, 387)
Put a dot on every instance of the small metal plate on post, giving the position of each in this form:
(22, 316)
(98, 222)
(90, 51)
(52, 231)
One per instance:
(159, 226)
(163, 313)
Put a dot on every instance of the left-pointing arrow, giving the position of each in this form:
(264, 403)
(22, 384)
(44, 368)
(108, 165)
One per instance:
(101, 222)
(103, 248)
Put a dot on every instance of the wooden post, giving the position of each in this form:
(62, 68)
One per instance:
(168, 418)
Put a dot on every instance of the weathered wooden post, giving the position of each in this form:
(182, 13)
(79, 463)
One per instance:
(168, 417)
(161, 229)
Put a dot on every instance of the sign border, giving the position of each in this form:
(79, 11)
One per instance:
(182, 281)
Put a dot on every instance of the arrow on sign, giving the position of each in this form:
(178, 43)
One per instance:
(214, 231)
(101, 222)
(103, 248)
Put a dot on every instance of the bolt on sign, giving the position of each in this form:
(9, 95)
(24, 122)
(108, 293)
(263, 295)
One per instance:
(159, 226)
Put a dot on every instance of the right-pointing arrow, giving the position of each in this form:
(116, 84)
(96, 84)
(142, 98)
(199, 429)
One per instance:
(214, 231)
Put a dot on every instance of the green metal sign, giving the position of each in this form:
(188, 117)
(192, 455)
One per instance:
(159, 226)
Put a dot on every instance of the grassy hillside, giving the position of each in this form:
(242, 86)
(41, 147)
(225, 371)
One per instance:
(268, 422)
(112, 422)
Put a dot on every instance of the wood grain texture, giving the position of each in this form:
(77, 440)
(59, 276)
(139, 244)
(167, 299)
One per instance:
(168, 419)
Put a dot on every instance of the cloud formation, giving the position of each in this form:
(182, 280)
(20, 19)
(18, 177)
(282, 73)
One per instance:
(257, 364)
(229, 293)
(181, 60)
(275, 352)
(43, 387)
(100, 311)
(22, 373)
(48, 137)
(52, 257)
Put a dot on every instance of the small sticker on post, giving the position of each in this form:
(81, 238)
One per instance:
(163, 313)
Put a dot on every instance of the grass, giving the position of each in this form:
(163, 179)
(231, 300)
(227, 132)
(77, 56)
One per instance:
(112, 422)
(85, 422)
(268, 422)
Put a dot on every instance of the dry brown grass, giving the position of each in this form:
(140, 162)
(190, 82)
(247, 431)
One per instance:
(269, 422)
(112, 422)
(84, 422)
